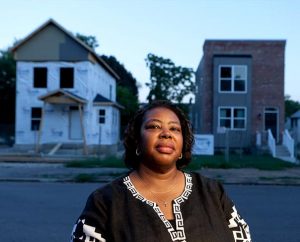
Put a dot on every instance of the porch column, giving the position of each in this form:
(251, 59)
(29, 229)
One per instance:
(37, 147)
(85, 151)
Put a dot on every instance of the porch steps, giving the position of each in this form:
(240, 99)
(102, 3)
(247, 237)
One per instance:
(65, 150)
(283, 153)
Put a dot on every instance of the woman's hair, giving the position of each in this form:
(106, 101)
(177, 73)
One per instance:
(132, 136)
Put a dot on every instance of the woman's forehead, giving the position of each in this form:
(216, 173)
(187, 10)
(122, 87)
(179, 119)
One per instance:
(161, 113)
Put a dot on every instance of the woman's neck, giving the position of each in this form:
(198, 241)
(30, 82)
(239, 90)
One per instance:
(157, 179)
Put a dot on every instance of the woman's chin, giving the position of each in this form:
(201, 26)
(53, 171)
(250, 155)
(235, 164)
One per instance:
(163, 160)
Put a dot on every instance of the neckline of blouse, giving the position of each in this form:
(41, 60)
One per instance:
(183, 196)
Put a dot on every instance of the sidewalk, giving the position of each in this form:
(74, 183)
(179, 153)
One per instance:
(57, 172)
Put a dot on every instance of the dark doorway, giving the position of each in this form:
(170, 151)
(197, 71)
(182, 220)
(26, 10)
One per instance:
(271, 121)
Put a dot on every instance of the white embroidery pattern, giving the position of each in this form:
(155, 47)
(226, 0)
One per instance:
(239, 227)
(177, 234)
(88, 233)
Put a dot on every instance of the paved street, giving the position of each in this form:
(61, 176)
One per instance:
(46, 211)
(57, 172)
(272, 212)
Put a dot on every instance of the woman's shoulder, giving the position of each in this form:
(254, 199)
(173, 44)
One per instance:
(109, 190)
(205, 183)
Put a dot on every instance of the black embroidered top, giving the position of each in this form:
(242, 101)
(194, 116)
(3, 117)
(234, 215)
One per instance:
(118, 212)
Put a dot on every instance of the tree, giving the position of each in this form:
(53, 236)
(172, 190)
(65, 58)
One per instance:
(7, 95)
(291, 106)
(127, 90)
(89, 40)
(126, 78)
(130, 104)
(7, 86)
(167, 81)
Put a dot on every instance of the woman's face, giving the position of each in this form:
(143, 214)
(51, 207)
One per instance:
(161, 137)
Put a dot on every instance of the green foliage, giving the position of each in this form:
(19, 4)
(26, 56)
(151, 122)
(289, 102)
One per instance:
(130, 103)
(94, 163)
(261, 162)
(127, 91)
(7, 86)
(89, 40)
(95, 177)
(291, 106)
(81, 178)
(167, 81)
(126, 78)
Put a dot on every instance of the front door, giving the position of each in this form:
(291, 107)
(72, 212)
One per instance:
(75, 126)
(271, 121)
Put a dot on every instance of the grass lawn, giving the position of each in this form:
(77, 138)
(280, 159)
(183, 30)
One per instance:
(262, 162)
(95, 162)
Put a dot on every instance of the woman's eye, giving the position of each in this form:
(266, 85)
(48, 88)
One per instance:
(177, 129)
(152, 126)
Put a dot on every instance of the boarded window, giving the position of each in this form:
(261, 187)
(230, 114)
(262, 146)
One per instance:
(66, 77)
(40, 77)
(36, 116)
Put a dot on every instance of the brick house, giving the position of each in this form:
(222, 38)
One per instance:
(240, 88)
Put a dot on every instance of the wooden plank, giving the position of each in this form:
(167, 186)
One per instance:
(56, 148)
(83, 130)
(37, 148)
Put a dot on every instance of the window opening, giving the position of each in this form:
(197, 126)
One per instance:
(101, 116)
(36, 116)
(66, 77)
(40, 77)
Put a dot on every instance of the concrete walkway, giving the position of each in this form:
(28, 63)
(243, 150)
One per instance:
(57, 172)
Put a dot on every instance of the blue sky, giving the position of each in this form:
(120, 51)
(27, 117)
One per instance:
(174, 29)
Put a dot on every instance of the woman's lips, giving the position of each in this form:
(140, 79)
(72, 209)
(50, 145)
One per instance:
(165, 148)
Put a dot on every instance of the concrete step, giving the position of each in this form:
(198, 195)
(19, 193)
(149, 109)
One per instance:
(288, 159)
(69, 151)
(62, 149)
(282, 151)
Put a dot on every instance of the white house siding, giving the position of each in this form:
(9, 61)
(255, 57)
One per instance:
(109, 132)
(26, 98)
(89, 80)
(101, 81)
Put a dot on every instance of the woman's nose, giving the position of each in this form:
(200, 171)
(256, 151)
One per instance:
(165, 133)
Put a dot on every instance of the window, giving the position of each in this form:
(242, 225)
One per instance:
(101, 116)
(36, 116)
(66, 77)
(232, 78)
(232, 118)
(40, 77)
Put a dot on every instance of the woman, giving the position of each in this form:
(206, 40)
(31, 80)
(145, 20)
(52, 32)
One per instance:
(156, 201)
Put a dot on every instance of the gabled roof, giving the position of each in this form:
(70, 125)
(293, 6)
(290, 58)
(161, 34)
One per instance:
(103, 101)
(61, 96)
(90, 50)
(296, 114)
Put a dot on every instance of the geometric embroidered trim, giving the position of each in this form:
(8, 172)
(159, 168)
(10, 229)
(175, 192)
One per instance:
(85, 232)
(177, 234)
(239, 227)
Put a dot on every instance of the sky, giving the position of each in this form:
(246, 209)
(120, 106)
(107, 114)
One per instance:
(174, 29)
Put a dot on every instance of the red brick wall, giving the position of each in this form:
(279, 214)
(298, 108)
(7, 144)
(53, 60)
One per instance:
(267, 77)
